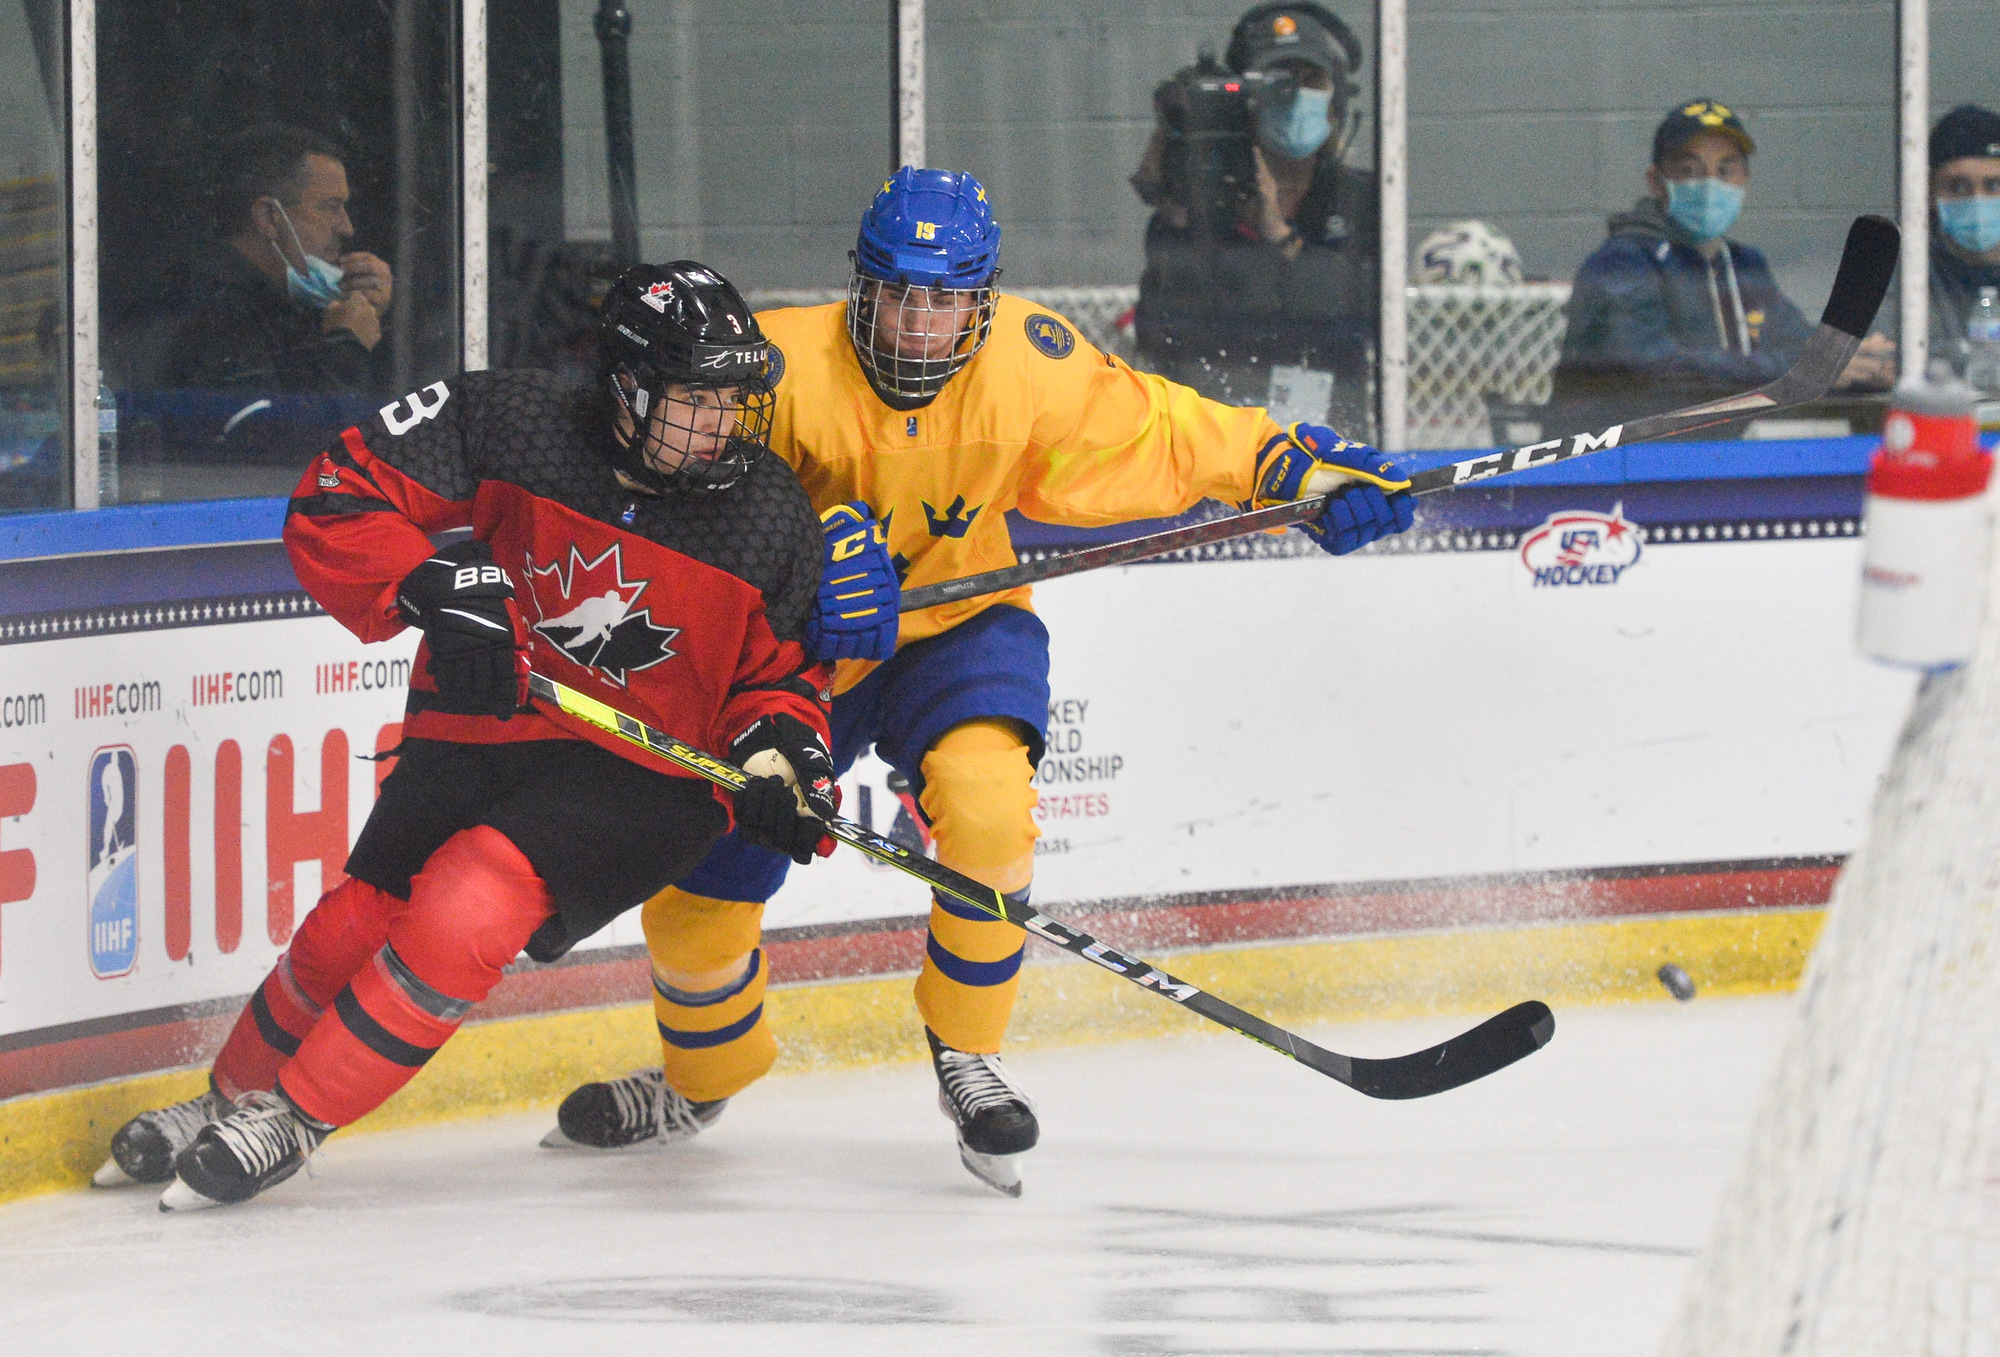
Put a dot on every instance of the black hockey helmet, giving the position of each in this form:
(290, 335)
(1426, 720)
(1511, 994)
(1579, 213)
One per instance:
(685, 358)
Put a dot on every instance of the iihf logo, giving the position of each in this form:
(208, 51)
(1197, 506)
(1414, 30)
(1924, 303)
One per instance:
(1581, 546)
(112, 862)
(595, 622)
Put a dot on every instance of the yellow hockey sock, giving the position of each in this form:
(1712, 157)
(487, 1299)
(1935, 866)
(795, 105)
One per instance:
(708, 992)
(978, 796)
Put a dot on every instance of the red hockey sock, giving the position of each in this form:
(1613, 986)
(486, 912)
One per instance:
(470, 912)
(346, 927)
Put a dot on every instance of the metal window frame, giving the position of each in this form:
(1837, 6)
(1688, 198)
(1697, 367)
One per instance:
(1913, 181)
(907, 93)
(474, 271)
(1392, 157)
(84, 337)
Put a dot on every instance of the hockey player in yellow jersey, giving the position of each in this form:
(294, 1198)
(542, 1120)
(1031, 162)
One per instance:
(916, 415)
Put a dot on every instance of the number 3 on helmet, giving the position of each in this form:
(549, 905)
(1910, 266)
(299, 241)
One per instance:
(920, 303)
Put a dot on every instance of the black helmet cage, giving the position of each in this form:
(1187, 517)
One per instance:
(901, 379)
(670, 380)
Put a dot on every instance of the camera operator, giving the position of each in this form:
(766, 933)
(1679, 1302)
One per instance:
(1262, 252)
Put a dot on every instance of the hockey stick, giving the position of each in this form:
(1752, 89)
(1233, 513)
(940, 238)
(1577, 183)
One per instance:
(1866, 266)
(1493, 1045)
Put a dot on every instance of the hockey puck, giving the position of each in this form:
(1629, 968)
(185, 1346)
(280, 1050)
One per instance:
(1678, 982)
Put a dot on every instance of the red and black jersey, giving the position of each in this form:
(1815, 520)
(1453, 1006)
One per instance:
(686, 610)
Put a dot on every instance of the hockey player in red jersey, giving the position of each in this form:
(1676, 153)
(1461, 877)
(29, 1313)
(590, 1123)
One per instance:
(634, 539)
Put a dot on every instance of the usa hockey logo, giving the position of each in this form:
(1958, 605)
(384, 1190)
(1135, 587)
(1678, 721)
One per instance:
(1581, 546)
(112, 862)
(594, 619)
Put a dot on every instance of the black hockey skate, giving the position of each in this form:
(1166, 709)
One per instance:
(639, 1107)
(143, 1150)
(263, 1142)
(996, 1122)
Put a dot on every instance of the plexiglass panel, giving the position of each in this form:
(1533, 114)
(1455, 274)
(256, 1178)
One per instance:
(1653, 197)
(759, 130)
(34, 473)
(1192, 184)
(278, 245)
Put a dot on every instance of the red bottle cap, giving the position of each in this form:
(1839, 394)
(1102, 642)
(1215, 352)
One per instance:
(1930, 449)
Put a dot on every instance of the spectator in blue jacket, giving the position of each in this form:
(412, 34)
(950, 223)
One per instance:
(1669, 311)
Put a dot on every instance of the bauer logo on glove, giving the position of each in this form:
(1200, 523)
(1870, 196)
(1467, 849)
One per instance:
(464, 604)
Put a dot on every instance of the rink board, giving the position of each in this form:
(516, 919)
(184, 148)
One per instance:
(1282, 747)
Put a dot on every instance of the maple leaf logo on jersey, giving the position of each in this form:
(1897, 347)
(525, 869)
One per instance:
(597, 624)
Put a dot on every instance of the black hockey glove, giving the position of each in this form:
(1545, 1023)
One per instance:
(791, 788)
(464, 604)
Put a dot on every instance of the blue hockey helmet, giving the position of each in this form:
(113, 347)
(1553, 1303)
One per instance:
(929, 228)
(920, 304)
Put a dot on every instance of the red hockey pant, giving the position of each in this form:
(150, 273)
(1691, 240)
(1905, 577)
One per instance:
(372, 985)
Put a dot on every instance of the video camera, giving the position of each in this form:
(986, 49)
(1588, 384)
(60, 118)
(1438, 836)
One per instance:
(1210, 116)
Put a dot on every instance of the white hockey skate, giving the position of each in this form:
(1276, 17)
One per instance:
(144, 1148)
(995, 1120)
(640, 1107)
(259, 1145)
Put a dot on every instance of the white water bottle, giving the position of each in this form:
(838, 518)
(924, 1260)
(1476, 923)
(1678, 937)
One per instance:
(1982, 342)
(1923, 576)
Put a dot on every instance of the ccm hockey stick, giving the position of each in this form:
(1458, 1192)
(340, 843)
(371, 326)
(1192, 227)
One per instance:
(1493, 1045)
(1866, 265)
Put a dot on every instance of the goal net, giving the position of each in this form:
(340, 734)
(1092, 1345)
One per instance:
(1467, 345)
(1865, 1218)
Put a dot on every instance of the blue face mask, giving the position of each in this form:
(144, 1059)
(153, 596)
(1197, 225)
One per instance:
(1971, 223)
(1704, 208)
(319, 286)
(1299, 128)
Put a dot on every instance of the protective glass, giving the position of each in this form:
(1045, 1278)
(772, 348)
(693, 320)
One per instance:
(912, 340)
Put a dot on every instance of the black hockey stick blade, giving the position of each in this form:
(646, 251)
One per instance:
(1493, 1045)
(1867, 264)
(1498, 1042)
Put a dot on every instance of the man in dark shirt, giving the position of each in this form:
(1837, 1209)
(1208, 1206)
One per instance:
(268, 342)
(1278, 307)
(1965, 239)
(1669, 311)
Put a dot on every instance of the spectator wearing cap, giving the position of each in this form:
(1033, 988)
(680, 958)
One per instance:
(1669, 311)
(1965, 237)
(1290, 283)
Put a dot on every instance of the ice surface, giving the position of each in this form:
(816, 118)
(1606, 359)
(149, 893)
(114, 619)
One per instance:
(1196, 1196)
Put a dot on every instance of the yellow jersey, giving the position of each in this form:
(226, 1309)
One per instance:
(1040, 420)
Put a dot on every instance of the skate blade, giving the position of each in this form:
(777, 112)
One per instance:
(180, 1197)
(1000, 1172)
(110, 1175)
(556, 1140)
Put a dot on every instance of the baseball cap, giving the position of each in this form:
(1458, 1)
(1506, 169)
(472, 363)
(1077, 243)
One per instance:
(1274, 33)
(1699, 115)
(1967, 130)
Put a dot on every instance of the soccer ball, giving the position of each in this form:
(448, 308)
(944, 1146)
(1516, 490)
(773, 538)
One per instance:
(1467, 252)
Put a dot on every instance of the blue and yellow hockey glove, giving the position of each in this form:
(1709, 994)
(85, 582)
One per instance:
(854, 617)
(1311, 461)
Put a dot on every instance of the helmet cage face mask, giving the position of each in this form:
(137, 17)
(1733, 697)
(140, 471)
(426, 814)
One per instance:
(899, 331)
(715, 429)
